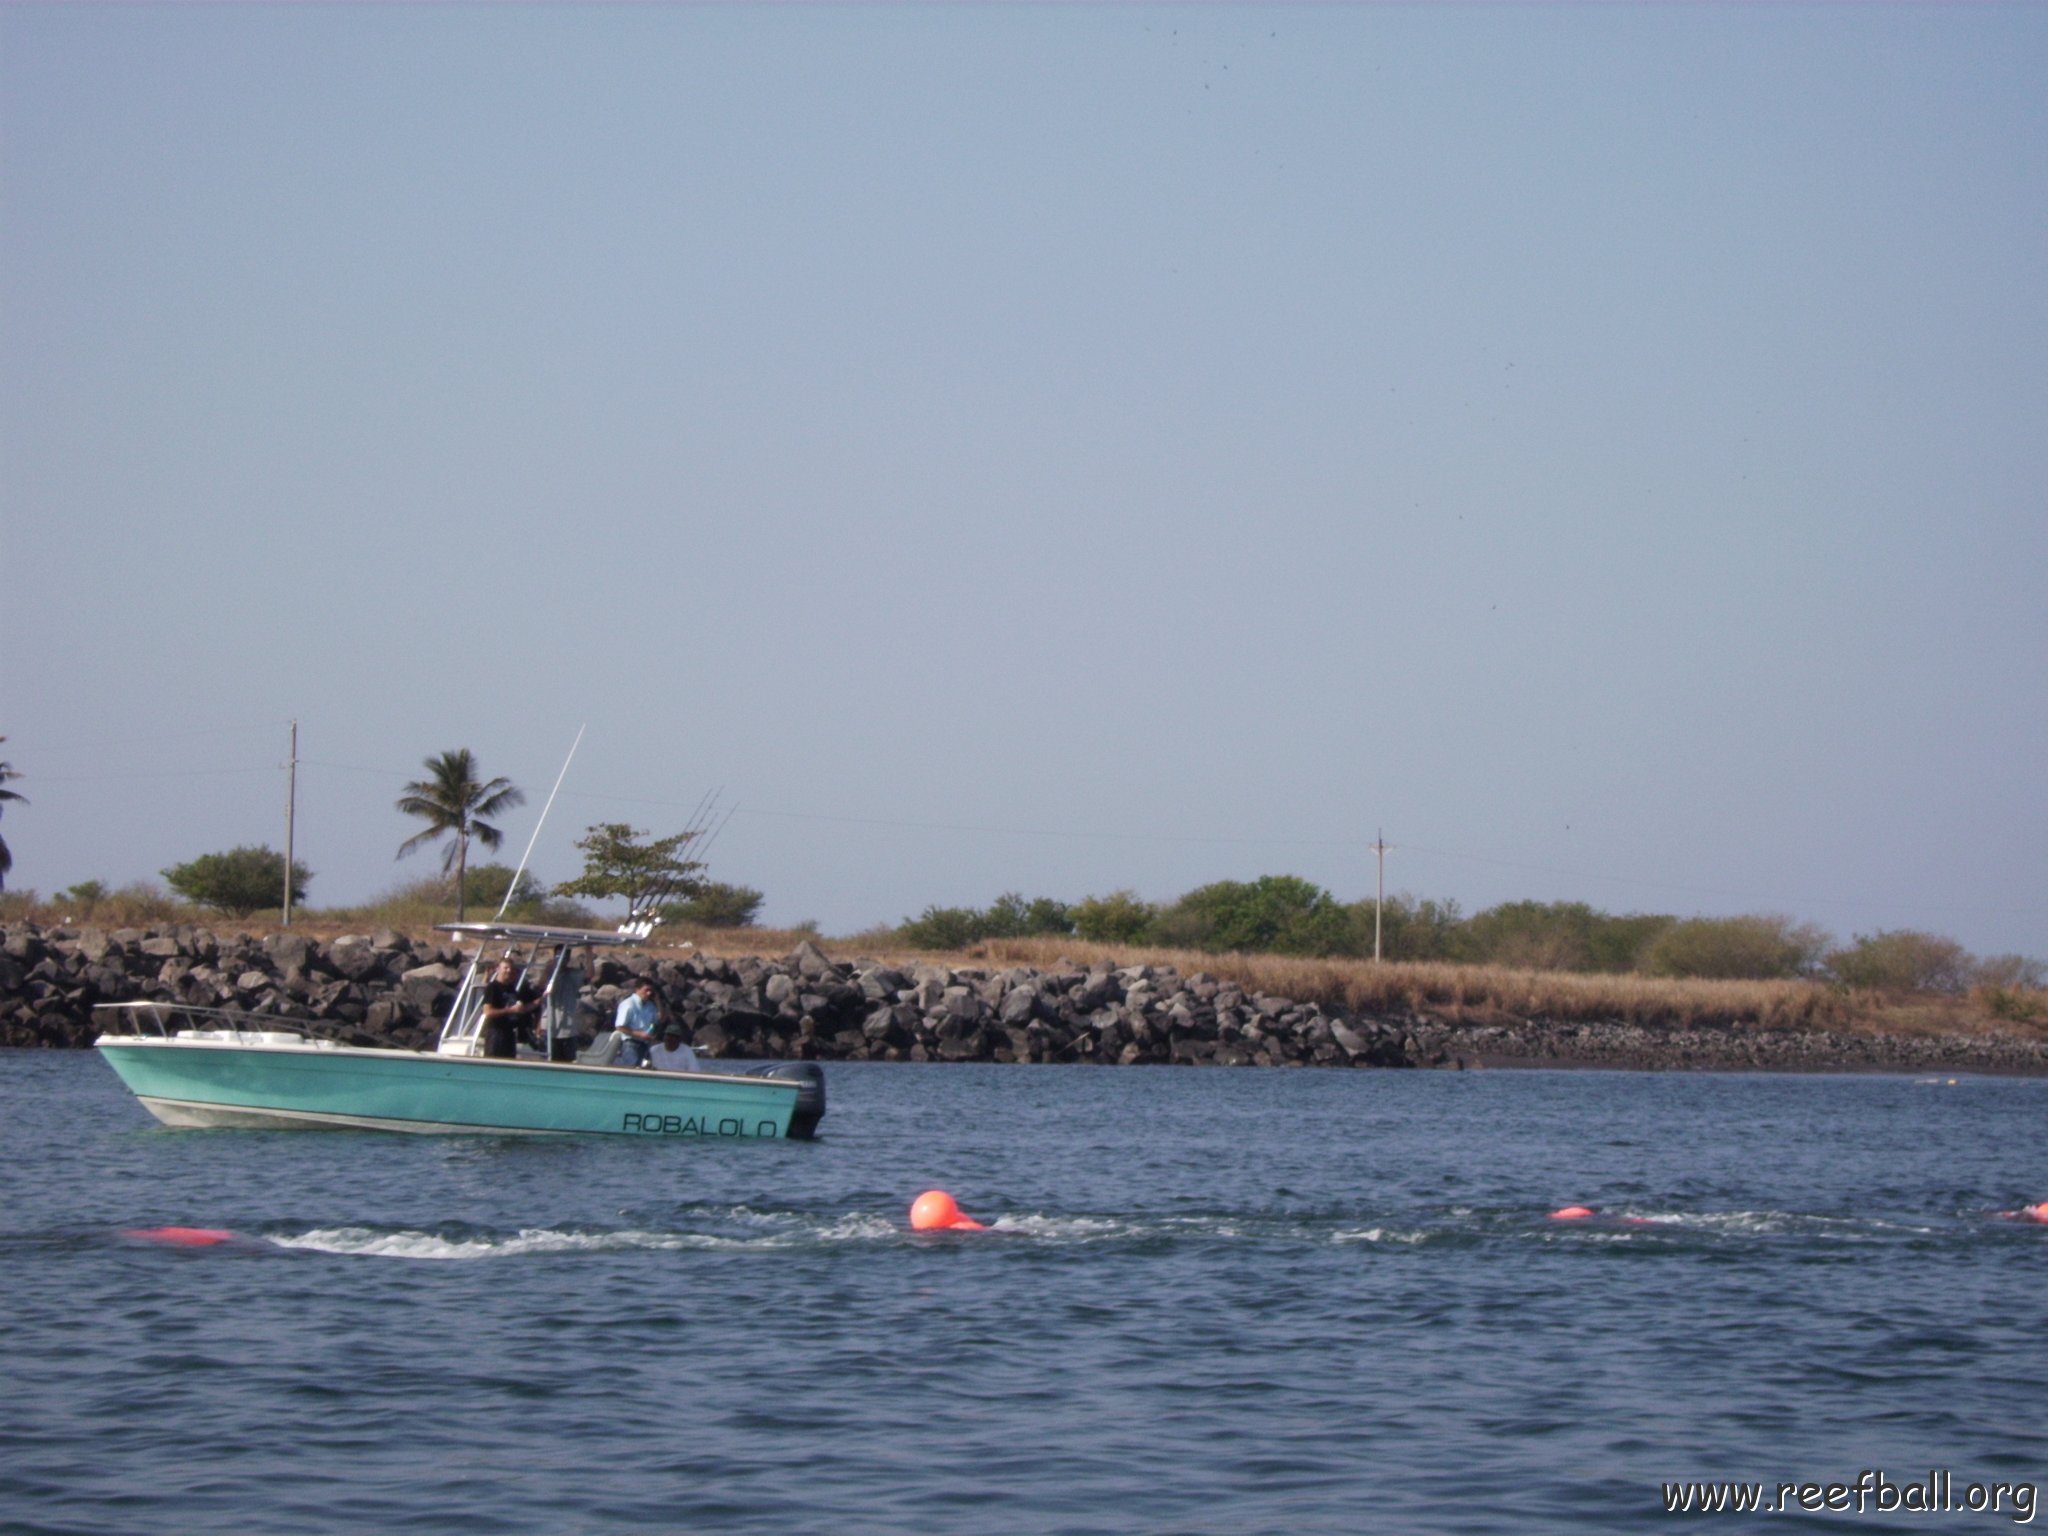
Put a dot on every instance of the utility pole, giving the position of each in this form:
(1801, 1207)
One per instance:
(1379, 900)
(291, 810)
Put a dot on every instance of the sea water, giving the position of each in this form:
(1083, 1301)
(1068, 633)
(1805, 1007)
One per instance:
(1209, 1300)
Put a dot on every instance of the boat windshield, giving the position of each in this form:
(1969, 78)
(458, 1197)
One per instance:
(163, 1021)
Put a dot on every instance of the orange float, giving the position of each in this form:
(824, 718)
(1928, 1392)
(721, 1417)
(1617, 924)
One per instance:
(182, 1237)
(937, 1211)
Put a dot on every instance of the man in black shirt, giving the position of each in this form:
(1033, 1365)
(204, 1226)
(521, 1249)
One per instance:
(508, 1003)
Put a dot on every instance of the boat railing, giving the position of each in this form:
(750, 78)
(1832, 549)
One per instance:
(151, 1020)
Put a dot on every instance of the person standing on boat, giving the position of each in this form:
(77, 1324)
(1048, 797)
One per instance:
(637, 1019)
(672, 1055)
(508, 1002)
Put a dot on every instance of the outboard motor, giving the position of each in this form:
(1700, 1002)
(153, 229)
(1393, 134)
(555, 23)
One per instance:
(810, 1098)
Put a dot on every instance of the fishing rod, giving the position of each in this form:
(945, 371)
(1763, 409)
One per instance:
(723, 822)
(694, 829)
(514, 886)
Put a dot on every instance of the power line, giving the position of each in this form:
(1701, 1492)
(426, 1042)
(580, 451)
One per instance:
(1071, 832)
(127, 743)
(1378, 847)
(154, 773)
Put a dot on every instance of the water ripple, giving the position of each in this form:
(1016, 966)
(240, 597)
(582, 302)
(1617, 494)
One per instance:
(1206, 1302)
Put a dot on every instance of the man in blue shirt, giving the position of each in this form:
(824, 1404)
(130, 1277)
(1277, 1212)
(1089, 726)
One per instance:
(637, 1017)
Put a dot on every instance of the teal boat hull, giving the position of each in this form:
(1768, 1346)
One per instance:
(320, 1085)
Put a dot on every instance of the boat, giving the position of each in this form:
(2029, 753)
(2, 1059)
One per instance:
(215, 1067)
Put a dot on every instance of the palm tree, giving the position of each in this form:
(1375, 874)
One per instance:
(7, 859)
(450, 799)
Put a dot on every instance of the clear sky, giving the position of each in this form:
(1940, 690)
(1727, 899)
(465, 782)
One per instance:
(1052, 448)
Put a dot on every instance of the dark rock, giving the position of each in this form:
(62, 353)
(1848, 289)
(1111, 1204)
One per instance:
(883, 1028)
(809, 961)
(356, 960)
(960, 1040)
(754, 1026)
(962, 1003)
(1096, 989)
(882, 983)
(290, 951)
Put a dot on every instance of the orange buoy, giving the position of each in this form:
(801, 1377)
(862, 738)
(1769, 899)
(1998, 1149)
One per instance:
(2034, 1212)
(1572, 1213)
(935, 1211)
(183, 1237)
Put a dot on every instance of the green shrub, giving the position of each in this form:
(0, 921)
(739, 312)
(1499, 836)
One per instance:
(941, 928)
(1616, 945)
(1010, 916)
(238, 882)
(1559, 936)
(1118, 918)
(1756, 948)
(483, 889)
(1274, 914)
(2013, 972)
(1532, 935)
(1409, 928)
(713, 905)
(1902, 960)
(2018, 1005)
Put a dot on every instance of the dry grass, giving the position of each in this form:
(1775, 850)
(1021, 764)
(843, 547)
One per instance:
(141, 905)
(1476, 994)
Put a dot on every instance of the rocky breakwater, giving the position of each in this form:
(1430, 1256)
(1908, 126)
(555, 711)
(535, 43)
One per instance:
(810, 1005)
(377, 989)
(382, 989)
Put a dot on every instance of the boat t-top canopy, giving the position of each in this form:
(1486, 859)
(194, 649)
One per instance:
(545, 966)
(539, 933)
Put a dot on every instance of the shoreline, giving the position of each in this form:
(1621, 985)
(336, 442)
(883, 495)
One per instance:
(384, 989)
(1793, 1053)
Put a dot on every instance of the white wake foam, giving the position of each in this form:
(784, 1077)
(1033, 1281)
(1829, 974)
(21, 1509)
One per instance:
(793, 1232)
(1378, 1235)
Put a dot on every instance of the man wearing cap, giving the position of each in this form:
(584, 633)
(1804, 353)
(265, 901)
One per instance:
(671, 1055)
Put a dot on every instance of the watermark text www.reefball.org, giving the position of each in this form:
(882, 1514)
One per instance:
(1869, 1492)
